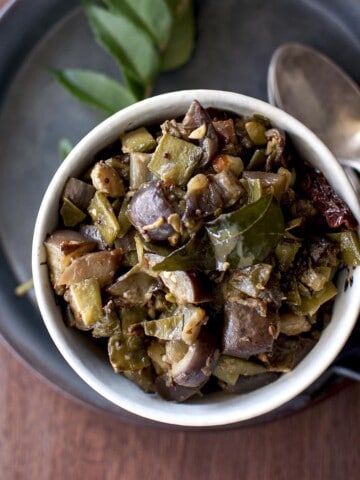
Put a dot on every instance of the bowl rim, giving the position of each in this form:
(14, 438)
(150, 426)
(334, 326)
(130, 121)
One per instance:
(256, 403)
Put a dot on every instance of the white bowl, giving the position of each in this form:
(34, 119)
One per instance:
(93, 367)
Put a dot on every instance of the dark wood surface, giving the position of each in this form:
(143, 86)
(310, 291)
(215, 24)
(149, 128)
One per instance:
(44, 435)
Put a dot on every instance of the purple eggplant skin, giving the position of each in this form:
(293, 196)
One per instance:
(149, 207)
(245, 331)
(288, 352)
(79, 193)
(195, 368)
(188, 287)
(169, 390)
(195, 117)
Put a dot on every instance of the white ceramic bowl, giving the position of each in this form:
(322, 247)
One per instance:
(93, 366)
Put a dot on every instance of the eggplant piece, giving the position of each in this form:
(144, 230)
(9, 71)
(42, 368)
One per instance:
(149, 210)
(287, 352)
(230, 187)
(133, 288)
(292, 324)
(226, 130)
(128, 245)
(245, 331)
(92, 233)
(203, 197)
(195, 117)
(196, 366)
(210, 194)
(175, 129)
(78, 192)
(62, 247)
(100, 265)
(188, 287)
(210, 145)
(169, 390)
(85, 302)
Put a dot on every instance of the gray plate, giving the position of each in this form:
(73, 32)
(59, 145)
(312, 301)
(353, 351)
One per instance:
(234, 46)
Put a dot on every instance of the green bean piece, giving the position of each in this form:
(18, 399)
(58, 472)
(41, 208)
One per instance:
(251, 280)
(127, 352)
(86, 301)
(257, 161)
(169, 328)
(175, 159)
(109, 323)
(256, 132)
(310, 305)
(71, 214)
(123, 220)
(349, 246)
(139, 140)
(104, 218)
(229, 368)
(143, 378)
(285, 253)
(314, 279)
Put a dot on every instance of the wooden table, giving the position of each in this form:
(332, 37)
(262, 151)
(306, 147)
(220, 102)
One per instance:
(44, 435)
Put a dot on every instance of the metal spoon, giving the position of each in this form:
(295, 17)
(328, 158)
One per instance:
(312, 88)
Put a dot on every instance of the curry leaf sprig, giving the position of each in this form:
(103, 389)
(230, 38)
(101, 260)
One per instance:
(145, 38)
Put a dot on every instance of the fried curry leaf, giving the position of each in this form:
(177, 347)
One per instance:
(95, 89)
(247, 235)
(129, 44)
(196, 254)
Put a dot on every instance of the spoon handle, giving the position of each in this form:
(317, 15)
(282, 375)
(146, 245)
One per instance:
(351, 163)
(354, 179)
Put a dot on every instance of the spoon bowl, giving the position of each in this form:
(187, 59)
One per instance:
(316, 91)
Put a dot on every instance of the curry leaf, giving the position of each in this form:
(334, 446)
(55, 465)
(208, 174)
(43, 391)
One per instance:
(95, 89)
(197, 253)
(247, 235)
(152, 16)
(182, 39)
(134, 86)
(129, 44)
(65, 147)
